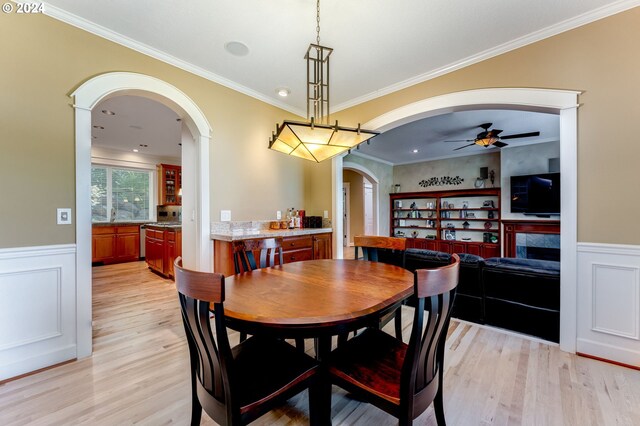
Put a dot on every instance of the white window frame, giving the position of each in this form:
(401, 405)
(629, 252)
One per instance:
(153, 197)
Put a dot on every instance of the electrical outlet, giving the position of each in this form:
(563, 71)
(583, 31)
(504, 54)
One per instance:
(278, 215)
(326, 214)
(63, 217)
(225, 215)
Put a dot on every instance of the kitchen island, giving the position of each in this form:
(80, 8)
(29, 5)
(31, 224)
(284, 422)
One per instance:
(297, 244)
(163, 243)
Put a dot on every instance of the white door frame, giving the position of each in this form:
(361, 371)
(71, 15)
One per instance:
(86, 97)
(375, 183)
(346, 190)
(562, 102)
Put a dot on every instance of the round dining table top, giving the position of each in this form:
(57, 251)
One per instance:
(315, 295)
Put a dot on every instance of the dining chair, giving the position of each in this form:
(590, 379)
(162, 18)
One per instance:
(244, 254)
(403, 379)
(386, 250)
(244, 260)
(235, 385)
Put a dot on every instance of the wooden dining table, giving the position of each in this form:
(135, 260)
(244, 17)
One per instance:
(315, 299)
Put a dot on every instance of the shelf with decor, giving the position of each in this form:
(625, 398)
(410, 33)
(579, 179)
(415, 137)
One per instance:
(454, 221)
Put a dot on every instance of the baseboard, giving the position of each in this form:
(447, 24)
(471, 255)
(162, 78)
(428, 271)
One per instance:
(609, 353)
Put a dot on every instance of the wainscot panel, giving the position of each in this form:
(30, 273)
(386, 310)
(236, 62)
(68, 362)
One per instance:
(37, 308)
(609, 302)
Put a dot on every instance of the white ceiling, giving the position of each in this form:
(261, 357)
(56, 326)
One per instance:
(428, 135)
(379, 46)
(137, 121)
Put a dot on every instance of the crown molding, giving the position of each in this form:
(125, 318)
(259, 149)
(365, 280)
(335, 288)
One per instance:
(78, 22)
(566, 25)
(371, 157)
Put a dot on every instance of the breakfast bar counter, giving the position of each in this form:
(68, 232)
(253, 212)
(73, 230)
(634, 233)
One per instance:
(297, 244)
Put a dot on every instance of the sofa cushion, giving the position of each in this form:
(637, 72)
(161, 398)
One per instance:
(510, 264)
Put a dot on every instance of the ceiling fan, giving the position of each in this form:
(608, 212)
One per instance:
(492, 137)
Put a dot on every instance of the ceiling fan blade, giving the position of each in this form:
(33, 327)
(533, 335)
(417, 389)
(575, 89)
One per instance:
(485, 126)
(521, 135)
(500, 144)
(461, 140)
(494, 133)
(471, 144)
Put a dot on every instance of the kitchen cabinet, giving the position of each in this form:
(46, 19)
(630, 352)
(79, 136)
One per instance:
(294, 249)
(162, 246)
(322, 246)
(115, 243)
(169, 184)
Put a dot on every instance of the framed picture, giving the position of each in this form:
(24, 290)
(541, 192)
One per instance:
(449, 235)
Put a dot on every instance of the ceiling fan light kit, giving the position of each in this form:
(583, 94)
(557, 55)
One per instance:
(492, 137)
(317, 141)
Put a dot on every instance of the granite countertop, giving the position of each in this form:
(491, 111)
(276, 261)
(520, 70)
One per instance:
(247, 234)
(118, 223)
(164, 225)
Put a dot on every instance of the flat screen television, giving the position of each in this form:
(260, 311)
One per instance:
(537, 194)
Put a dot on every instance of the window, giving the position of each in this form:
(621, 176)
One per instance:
(120, 194)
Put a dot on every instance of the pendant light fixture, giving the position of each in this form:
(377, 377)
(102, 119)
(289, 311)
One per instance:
(316, 139)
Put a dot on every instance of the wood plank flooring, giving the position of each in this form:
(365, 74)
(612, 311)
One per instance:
(138, 374)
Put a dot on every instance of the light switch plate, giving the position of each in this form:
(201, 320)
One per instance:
(278, 215)
(63, 217)
(326, 214)
(225, 215)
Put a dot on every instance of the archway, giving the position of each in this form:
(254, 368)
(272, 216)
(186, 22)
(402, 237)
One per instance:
(195, 154)
(371, 177)
(561, 102)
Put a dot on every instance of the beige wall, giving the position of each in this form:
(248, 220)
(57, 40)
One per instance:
(44, 60)
(356, 203)
(468, 168)
(601, 59)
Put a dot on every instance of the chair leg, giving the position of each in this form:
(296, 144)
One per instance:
(196, 411)
(398, 323)
(438, 407)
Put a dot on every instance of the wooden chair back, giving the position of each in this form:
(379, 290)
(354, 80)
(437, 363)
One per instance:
(236, 386)
(244, 254)
(372, 247)
(421, 378)
(210, 356)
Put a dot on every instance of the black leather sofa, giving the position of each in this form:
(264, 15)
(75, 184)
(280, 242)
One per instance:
(516, 294)
(523, 295)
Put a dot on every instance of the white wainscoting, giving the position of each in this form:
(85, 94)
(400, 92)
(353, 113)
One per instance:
(609, 302)
(37, 308)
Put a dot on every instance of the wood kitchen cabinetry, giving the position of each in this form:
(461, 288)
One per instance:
(162, 246)
(294, 249)
(115, 243)
(169, 184)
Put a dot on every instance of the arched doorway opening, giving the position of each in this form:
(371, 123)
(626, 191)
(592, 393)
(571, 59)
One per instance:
(368, 211)
(197, 248)
(561, 102)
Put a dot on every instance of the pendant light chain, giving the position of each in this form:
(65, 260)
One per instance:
(318, 21)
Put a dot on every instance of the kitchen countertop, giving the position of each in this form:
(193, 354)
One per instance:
(164, 225)
(247, 234)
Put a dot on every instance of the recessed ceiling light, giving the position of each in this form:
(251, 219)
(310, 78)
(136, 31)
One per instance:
(415, 151)
(108, 112)
(236, 48)
(283, 91)
(98, 127)
(136, 150)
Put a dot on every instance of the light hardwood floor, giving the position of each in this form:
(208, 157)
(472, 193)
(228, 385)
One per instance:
(138, 374)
